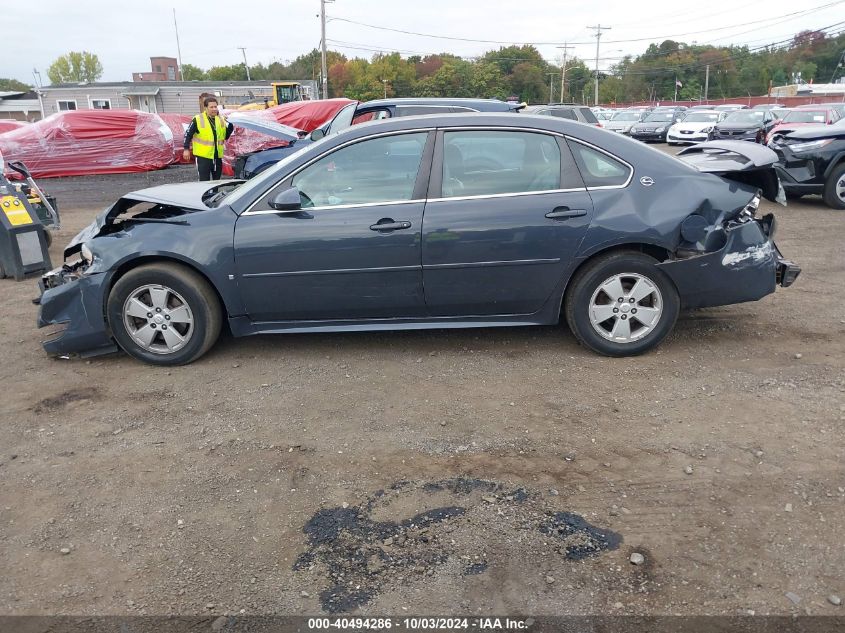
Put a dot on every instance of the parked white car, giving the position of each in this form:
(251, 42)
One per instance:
(695, 127)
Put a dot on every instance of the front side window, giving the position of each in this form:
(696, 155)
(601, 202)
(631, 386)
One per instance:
(599, 169)
(377, 170)
(491, 162)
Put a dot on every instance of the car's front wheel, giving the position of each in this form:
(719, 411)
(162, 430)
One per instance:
(834, 188)
(621, 304)
(164, 314)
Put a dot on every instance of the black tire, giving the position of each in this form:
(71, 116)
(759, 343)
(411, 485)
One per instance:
(830, 195)
(588, 281)
(183, 284)
(48, 237)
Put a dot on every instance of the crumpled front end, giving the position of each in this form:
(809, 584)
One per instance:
(72, 305)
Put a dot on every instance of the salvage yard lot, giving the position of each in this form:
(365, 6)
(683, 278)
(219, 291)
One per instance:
(434, 472)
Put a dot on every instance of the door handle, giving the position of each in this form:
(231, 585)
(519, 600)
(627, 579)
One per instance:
(565, 213)
(390, 225)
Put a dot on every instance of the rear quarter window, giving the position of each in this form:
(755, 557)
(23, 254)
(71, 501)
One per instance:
(597, 168)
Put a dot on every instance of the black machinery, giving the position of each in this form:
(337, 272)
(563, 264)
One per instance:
(26, 212)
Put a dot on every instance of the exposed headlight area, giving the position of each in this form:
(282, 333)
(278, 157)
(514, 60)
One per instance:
(810, 146)
(707, 130)
(72, 269)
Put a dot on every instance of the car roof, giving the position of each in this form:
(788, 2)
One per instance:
(484, 105)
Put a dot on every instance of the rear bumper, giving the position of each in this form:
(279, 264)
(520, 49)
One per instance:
(747, 268)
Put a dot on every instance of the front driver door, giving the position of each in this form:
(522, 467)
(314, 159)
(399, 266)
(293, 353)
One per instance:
(353, 251)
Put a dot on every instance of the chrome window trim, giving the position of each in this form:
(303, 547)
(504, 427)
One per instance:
(339, 147)
(507, 195)
(614, 157)
(335, 206)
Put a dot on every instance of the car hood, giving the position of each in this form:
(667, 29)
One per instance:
(271, 128)
(189, 196)
(811, 131)
(619, 125)
(740, 161)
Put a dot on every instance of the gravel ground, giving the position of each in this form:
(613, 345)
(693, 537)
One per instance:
(489, 471)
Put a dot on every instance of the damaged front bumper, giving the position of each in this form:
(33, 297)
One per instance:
(73, 307)
(748, 267)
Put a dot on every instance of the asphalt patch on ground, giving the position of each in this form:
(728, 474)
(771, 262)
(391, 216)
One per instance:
(62, 400)
(361, 555)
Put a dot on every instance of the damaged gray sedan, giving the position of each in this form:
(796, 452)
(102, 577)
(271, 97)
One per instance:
(445, 221)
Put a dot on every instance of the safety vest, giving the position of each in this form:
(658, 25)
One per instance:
(203, 141)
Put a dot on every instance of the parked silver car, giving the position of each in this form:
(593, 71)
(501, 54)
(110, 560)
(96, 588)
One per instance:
(623, 121)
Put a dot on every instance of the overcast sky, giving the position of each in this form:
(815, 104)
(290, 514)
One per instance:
(126, 35)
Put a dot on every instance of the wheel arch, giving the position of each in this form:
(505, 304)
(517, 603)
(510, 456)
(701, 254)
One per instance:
(143, 260)
(659, 253)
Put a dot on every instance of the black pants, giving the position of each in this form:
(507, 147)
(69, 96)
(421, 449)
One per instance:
(209, 168)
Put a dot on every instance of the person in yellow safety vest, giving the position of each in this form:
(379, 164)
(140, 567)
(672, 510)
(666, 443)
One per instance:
(205, 137)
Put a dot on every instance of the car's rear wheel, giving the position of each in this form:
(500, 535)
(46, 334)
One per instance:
(164, 314)
(834, 188)
(621, 304)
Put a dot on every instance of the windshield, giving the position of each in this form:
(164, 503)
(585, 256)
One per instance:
(660, 117)
(745, 116)
(342, 119)
(805, 116)
(701, 117)
(626, 116)
(270, 175)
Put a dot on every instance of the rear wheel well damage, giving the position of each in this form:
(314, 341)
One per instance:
(657, 252)
(158, 259)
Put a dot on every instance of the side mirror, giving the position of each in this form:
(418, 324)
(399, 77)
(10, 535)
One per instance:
(317, 134)
(287, 200)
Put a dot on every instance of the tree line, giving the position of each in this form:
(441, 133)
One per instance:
(521, 72)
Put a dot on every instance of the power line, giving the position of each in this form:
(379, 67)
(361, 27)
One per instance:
(642, 39)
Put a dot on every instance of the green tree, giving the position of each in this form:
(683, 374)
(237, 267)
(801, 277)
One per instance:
(75, 68)
(14, 85)
(192, 73)
(235, 72)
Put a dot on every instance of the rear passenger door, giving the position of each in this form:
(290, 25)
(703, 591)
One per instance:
(506, 212)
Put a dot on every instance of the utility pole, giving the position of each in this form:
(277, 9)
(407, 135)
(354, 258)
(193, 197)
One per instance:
(706, 80)
(598, 29)
(178, 48)
(324, 73)
(243, 50)
(563, 70)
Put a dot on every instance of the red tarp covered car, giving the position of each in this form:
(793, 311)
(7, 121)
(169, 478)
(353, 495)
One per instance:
(302, 115)
(178, 124)
(7, 125)
(85, 142)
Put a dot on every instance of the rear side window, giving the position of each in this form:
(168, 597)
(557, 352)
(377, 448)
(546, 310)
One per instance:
(597, 168)
(564, 114)
(589, 117)
(482, 163)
